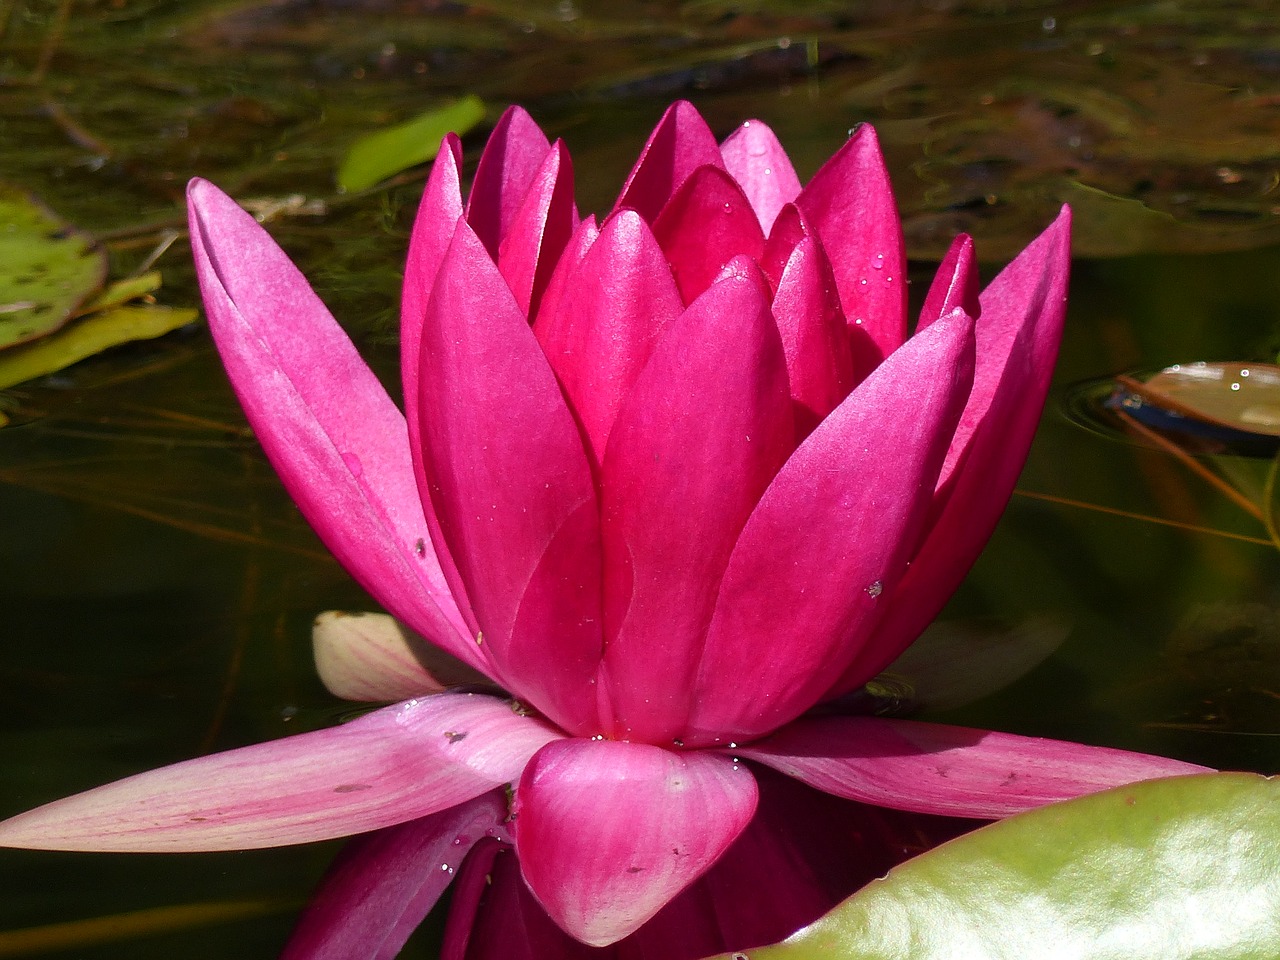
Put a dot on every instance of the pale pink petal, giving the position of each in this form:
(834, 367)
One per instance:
(389, 766)
(384, 883)
(850, 204)
(539, 230)
(1017, 342)
(814, 335)
(706, 224)
(955, 285)
(680, 143)
(509, 480)
(616, 302)
(933, 768)
(794, 607)
(704, 430)
(334, 436)
(755, 158)
(374, 657)
(609, 832)
(515, 152)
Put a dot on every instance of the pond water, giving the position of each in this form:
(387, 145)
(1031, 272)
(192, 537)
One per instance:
(157, 586)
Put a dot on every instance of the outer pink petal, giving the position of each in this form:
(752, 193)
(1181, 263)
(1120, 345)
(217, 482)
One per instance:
(706, 224)
(509, 480)
(850, 205)
(373, 657)
(332, 433)
(679, 144)
(1017, 342)
(814, 335)
(384, 883)
(755, 158)
(703, 432)
(830, 535)
(510, 163)
(393, 765)
(932, 768)
(609, 832)
(539, 230)
(954, 285)
(603, 329)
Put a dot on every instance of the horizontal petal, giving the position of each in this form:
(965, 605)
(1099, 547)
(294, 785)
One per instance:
(384, 883)
(706, 224)
(509, 479)
(332, 433)
(831, 534)
(704, 430)
(755, 158)
(387, 767)
(680, 143)
(609, 832)
(1017, 342)
(850, 204)
(933, 768)
(374, 657)
(515, 151)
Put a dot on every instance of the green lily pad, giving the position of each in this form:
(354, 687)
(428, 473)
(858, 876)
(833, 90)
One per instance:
(87, 336)
(379, 155)
(47, 268)
(1174, 869)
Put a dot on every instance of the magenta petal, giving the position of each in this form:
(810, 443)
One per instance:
(1017, 342)
(506, 472)
(516, 151)
(539, 230)
(706, 224)
(794, 607)
(807, 311)
(680, 143)
(334, 436)
(755, 158)
(850, 204)
(384, 883)
(703, 432)
(933, 768)
(604, 326)
(955, 285)
(389, 766)
(789, 228)
(609, 832)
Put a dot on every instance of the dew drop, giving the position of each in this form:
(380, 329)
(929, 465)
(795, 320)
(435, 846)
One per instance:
(728, 207)
(678, 742)
(863, 281)
(1235, 386)
(875, 589)
(878, 264)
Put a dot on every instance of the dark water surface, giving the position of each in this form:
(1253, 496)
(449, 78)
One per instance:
(157, 586)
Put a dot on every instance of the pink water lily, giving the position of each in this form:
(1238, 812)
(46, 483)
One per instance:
(670, 480)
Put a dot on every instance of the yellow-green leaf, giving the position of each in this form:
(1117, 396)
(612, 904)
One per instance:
(379, 155)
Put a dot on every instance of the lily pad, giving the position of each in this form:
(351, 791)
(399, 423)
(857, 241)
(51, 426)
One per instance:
(1186, 867)
(379, 155)
(47, 268)
(90, 335)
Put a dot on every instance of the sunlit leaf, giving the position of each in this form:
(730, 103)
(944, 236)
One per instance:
(88, 336)
(47, 268)
(1186, 867)
(378, 155)
(122, 291)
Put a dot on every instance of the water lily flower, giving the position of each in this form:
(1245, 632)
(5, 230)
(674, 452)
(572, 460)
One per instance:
(669, 480)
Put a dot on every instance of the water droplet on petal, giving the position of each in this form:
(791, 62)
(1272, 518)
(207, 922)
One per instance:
(875, 589)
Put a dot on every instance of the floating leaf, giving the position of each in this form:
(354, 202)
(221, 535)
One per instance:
(1184, 867)
(377, 156)
(47, 268)
(88, 336)
(122, 291)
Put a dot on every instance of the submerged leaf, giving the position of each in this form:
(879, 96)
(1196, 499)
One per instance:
(47, 268)
(1176, 868)
(378, 155)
